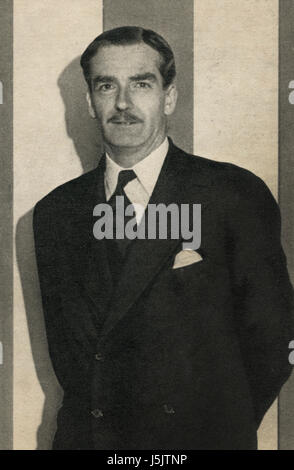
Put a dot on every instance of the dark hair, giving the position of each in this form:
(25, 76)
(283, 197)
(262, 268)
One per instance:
(132, 35)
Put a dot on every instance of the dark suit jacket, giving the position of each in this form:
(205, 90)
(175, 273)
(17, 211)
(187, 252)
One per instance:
(187, 358)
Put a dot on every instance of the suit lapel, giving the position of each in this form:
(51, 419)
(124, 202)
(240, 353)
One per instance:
(93, 270)
(147, 257)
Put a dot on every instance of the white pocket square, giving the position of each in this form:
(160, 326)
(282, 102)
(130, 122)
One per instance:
(186, 257)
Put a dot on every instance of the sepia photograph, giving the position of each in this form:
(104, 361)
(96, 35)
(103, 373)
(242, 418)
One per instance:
(147, 235)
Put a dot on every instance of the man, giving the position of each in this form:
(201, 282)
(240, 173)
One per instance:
(157, 347)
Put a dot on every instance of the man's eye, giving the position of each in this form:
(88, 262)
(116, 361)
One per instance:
(142, 85)
(106, 87)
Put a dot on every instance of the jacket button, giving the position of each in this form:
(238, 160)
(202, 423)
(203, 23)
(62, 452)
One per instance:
(168, 410)
(97, 413)
(99, 356)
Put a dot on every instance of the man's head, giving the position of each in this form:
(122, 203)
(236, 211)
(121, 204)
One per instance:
(130, 72)
(126, 36)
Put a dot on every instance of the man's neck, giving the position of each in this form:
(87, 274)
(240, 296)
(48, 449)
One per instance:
(127, 157)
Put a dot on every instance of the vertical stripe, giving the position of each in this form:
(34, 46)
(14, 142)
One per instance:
(172, 19)
(286, 190)
(53, 143)
(6, 179)
(236, 84)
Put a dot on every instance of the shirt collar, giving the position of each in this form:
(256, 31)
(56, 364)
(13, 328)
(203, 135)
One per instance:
(147, 170)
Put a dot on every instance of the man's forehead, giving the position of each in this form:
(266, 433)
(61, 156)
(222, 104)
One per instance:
(126, 59)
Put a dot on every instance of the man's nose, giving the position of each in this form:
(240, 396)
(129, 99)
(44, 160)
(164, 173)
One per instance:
(123, 100)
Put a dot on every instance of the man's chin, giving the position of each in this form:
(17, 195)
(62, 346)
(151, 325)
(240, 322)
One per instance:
(126, 141)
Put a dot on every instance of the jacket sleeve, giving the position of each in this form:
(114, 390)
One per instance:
(50, 277)
(263, 294)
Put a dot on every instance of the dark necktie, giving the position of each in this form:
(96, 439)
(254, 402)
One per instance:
(124, 177)
(118, 247)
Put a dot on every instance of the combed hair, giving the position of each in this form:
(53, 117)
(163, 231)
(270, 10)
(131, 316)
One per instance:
(126, 35)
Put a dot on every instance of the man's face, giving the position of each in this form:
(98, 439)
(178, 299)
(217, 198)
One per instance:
(127, 96)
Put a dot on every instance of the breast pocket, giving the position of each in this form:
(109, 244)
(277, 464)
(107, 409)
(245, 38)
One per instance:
(190, 273)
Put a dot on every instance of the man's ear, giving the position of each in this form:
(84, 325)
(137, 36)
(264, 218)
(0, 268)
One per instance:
(171, 96)
(90, 106)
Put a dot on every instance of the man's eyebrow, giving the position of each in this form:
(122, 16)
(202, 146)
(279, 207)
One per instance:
(144, 76)
(103, 79)
(135, 78)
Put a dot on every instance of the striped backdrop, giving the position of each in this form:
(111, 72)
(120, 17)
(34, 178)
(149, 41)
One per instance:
(233, 100)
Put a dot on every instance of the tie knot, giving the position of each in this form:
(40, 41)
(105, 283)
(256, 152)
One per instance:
(124, 177)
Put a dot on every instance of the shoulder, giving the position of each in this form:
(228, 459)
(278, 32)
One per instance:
(67, 193)
(228, 182)
(242, 201)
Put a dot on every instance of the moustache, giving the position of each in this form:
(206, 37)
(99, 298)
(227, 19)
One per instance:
(124, 118)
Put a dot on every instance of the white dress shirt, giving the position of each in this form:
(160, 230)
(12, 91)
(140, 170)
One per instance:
(138, 190)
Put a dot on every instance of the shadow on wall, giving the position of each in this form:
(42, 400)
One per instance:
(86, 138)
(80, 127)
